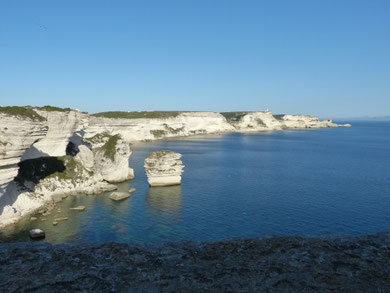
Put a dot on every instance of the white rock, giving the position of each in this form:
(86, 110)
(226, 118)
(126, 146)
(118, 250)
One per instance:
(37, 234)
(305, 121)
(115, 167)
(132, 190)
(163, 168)
(78, 208)
(258, 121)
(119, 195)
(85, 157)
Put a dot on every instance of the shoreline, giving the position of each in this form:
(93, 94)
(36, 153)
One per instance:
(49, 201)
(267, 264)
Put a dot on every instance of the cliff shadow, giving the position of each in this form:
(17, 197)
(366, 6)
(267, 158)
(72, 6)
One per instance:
(29, 174)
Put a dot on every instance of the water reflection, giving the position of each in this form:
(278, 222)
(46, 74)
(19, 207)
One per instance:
(164, 203)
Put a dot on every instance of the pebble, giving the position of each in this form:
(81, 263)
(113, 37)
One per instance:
(132, 190)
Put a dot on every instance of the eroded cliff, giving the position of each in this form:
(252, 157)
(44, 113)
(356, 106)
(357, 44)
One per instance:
(94, 150)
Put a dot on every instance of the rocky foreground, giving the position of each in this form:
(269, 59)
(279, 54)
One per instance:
(274, 264)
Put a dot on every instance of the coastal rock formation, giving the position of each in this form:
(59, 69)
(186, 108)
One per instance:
(17, 133)
(271, 264)
(62, 125)
(253, 121)
(305, 121)
(160, 125)
(112, 159)
(45, 171)
(47, 180)
(143, 129)
(163, 168)
(98, 146)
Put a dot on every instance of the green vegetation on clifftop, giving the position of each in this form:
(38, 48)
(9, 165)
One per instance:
(53, 108)
(233, 116)
(22, 112)
(109, 148)
(139, 114)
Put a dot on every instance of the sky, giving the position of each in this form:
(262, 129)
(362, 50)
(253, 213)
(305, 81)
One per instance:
(329, 58)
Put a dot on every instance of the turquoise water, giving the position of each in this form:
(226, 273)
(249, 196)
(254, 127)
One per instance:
(313, 182)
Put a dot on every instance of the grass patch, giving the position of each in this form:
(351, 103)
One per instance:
(53, 108)
(152, 158)
(23, 112)
(139, 114)
(73, 170)
(157, 133)
(233, 116)
(173, 130)
(99, 138)
(260, 122)
(109, 148)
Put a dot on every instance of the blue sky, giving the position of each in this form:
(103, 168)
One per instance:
(329, 58)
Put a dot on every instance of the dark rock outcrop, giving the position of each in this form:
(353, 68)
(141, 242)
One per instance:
(273, 264)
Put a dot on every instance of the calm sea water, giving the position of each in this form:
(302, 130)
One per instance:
(314, 182)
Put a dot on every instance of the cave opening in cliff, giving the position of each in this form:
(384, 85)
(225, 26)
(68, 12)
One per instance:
(34, 170)
(71, 149)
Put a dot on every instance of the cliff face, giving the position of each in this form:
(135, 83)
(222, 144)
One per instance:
(62, 126)
(111, 157)
(185, 124)
(257, 121)
(17, 134)
(95, 150)
(305, 121)
(43, 156)
(192, 123)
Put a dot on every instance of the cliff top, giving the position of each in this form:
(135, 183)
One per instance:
(23, 112)
(139, 114)
(30, 111)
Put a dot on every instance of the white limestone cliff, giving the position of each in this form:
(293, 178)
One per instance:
(163, 168)
(23, 199)
(193, 123)
(62, 127)
(306, 121)
(17, 134)
(100, 147)
(111, 158)
(185, 124)
(257, 121)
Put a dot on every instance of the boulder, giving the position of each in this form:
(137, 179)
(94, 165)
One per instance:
(119, 195)
(37, 234)
(78, 208)
(163, 168)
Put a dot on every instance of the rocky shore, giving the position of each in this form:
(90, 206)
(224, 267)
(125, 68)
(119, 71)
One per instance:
(271, 264)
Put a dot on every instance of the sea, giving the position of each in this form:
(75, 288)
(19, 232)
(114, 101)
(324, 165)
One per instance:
(299, 182)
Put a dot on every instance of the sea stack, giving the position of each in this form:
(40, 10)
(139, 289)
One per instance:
(163, 168)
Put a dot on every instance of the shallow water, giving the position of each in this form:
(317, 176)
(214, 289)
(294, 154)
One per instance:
(311, 182)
